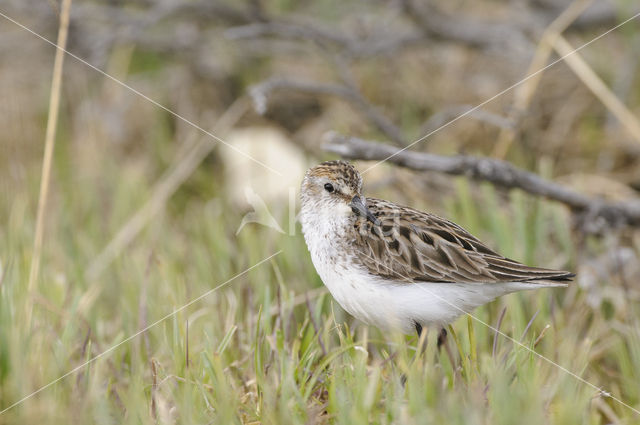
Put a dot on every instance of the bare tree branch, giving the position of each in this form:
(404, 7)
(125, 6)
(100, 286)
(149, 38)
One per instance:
(325, 37)
(449, 113)
(260, 94)
(310, 32)
(470, 31)
(594, 215)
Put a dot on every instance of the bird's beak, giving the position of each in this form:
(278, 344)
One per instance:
(358, 207)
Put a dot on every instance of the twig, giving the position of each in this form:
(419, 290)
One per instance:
(260, 94)
(594, 214)
(325, 37)
(307, 31)
(441, 117)
(52, 121)
(466, 30)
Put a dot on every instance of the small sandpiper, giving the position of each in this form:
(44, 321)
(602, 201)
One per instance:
(395, 267)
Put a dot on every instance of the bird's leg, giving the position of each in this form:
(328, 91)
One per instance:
(442, 338)
(420, 349)
(418, 328)
(422, 338)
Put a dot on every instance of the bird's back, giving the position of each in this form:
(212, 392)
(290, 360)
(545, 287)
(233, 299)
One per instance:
(408, 245)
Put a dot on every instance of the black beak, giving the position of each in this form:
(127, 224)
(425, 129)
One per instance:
(358, 207)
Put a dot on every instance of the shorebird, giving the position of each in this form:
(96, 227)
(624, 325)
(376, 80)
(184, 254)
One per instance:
(395, 267)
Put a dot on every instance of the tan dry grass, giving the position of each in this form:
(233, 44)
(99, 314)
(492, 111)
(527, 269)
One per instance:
(49, 143)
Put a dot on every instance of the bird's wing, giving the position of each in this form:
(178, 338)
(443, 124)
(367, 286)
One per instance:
(410, 245)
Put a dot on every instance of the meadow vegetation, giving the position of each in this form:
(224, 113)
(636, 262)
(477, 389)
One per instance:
(270, 346)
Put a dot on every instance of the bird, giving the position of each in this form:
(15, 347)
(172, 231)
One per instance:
(397, 268)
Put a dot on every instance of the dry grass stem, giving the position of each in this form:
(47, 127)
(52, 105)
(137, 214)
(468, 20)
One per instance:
(598, 87)
(523, 94)
(52, 121)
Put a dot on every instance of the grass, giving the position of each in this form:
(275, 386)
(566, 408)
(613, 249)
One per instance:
(271, 346)
(255, 353)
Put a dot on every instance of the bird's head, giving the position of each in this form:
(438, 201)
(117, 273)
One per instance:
(334, 188)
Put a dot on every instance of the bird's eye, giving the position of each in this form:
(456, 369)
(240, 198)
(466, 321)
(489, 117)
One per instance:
(328, 187)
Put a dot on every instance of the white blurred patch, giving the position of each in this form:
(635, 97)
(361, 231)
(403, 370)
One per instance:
(272, 147)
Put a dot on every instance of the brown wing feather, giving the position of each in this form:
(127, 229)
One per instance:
(412, 245)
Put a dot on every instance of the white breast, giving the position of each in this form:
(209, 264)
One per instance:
(342, 277)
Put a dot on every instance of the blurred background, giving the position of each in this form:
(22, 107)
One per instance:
(181, 143)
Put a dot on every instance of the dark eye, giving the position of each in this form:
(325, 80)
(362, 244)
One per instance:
(328, 187)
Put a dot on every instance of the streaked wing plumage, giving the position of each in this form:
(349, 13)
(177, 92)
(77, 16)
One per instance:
(410, 245)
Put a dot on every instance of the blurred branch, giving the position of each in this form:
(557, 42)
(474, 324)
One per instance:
(447, 114)
(325, 37)
(98, 27)
(307, 32)
(431, 24)
(260, 94)
(469, 31)
(594, 215)
(156, 11)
